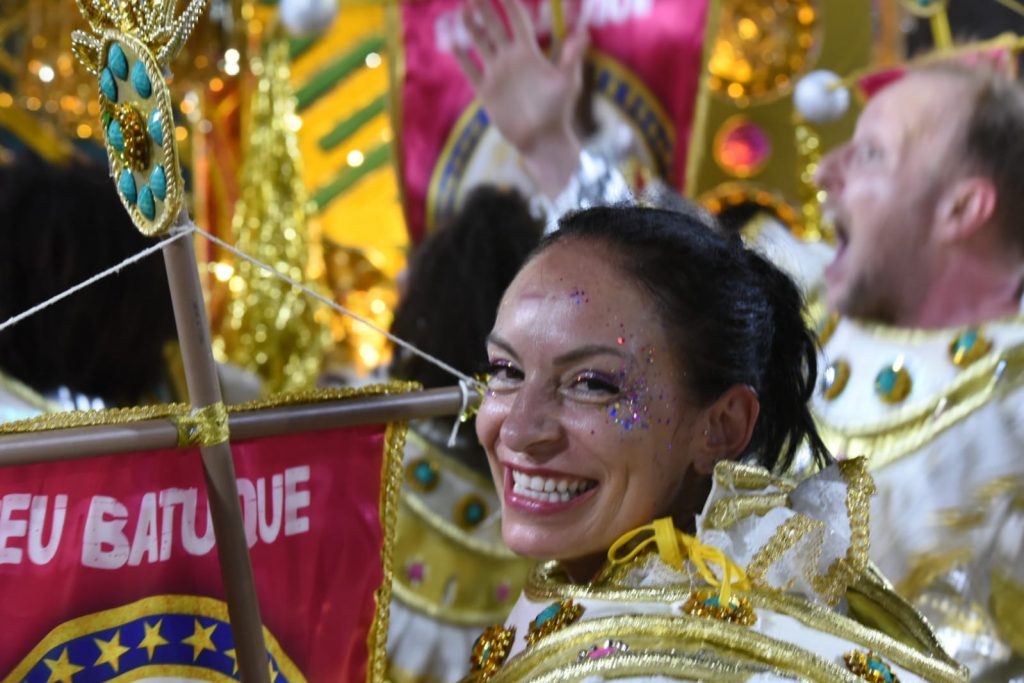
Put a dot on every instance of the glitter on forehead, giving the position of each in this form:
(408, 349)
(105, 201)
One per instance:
(621, 341)
(578, 296)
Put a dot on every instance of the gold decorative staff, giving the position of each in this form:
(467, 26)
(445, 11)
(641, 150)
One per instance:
(132, 45)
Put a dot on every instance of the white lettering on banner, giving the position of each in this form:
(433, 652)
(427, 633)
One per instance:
(146, 534)
(104, 545)
(114, 536)
(11, 528)
(37, 552)
(450, 31)
(294, 500)
(269, 530)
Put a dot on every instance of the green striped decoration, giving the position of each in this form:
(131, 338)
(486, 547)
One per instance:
(324, 81)
(347, 177)
(347, 128)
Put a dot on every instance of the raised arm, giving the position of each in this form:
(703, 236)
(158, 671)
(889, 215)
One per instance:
(529, 98)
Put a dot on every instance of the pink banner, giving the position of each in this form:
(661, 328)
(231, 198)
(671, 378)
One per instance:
(108, 565)
(647, 58)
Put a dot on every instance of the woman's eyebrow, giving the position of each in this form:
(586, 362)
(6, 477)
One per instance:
(591, 350)
(504, 345)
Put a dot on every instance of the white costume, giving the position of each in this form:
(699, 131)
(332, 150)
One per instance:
(940, 416)
(944, 441)
(813, 609)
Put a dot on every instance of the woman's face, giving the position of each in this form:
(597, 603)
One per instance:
(586, 424)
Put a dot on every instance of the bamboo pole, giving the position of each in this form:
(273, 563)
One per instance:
(218, 468)
(84, 442)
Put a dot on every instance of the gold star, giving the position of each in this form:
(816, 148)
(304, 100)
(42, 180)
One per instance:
(234, 658)
(153, 639)
(201, 639)
(111, 651)
(61, 669)
(273, 674)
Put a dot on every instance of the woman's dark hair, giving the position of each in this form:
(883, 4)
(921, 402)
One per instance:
(737, 317)
(455, 282)
(61, 225)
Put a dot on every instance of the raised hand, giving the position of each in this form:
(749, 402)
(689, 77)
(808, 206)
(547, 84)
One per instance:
(528, 97)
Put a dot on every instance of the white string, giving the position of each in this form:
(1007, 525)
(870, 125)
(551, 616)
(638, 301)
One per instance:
(461, 417)
(175, 235)
(463, 378)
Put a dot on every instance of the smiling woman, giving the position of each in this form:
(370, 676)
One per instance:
(635, 358)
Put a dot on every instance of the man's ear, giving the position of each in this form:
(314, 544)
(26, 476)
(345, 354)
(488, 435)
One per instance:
(728, 424)
(968, 205)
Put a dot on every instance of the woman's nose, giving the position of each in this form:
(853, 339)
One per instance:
(533, 426)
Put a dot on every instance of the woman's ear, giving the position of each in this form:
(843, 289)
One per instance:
(727, 426)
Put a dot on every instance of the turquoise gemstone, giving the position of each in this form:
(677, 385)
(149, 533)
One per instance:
(881, 668)
(108, 86)
(549, 613)
(158, 183)
(713, 601)
(140, 80)
(126, 184)
(425, 474)
(966, 341)
(485, 653)
(474, 513)
(114, 135)
(156, 130)
(886, 381)
(117, 62)
(146, 204)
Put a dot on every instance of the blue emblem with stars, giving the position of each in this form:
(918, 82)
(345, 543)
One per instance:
(160, 637)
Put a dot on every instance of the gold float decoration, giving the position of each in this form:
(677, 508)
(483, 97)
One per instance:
(762, 48)
(270, 327)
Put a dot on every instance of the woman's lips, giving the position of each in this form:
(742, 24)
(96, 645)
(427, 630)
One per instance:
(545, 492)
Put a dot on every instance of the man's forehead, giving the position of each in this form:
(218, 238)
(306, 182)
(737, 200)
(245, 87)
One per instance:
(919, 104)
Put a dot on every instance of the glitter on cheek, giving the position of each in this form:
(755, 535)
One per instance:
(621, 341)
(579, 296)
(631, 410)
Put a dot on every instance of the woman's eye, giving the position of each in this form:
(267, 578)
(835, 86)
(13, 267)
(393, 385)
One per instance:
(503, 372)
(595, 384)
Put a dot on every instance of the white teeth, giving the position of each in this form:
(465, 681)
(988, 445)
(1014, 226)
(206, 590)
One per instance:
(548, 490)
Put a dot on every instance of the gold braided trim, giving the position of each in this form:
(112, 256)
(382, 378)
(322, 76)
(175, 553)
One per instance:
(1005, 602)
(390, 487)
(735, 475)
(202, 426)
(913, 646)
(93, 418)
(124, 416)
(844, 571)
(906, 431)
(725, 512)
(665, 635)
(786, 537)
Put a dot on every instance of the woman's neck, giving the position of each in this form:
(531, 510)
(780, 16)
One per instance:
(584, 569)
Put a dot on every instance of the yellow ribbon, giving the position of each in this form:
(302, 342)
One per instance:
(675, 547)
